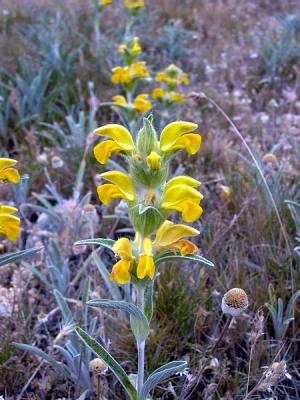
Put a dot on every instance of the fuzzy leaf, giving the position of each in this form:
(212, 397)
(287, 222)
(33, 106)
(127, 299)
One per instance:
(107, 243)
(10, 257)
(160, 375)
(139, 323)
(111, 363)
(192, 257)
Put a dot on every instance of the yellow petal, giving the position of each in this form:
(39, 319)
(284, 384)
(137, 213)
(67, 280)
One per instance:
(153, 160)
(185, 247)
(182, 180)
(147, 246)
(117, 133)
(103, 150)
(122, 248)
(119, 100)
(178, 193)
(146, 267)
(191, 142)
(174, 131)
(10, 174)
(190, 211)
(172, 233)
(120, 272)
(7, 162)
(123, 182)
(7, 209)
(9, 226)
(107, 192)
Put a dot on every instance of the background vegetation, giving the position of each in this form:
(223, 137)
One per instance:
(53, 81)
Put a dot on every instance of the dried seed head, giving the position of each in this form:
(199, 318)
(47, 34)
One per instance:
(274, 374)
(270, 158)
(234, 302)
(97, 367)
(57, 162)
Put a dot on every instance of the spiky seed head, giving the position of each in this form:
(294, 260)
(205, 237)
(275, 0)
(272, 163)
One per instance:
(234, 302)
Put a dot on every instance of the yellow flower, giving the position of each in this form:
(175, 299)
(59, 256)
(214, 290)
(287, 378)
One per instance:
(138, 70)
(146, 266)
(9, 223)
(180, 194)
(142, 103)
(177, 136)
(126, 75)
(161, 77)
(185, 78)
(120, 140)
(171, 236)
(121, 187)
(158, 93)
(153, 160)
(133, 47)
(121, 270)
(103, 3)
(6, 172)
(134, 4)
(175, 97)
(172, 76)
(120, 100)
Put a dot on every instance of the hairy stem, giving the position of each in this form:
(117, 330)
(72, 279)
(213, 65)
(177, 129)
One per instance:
(140, 346)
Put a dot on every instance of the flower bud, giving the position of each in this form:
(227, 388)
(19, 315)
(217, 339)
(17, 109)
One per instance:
(234, 302)
(145, 219)
(147, 138)
(153, 160)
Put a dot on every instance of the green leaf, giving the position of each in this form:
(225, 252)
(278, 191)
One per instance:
(193, 257)
(111, 286)
(107, 243)
(139, 323)
(40, 353)
(160, 375)
(149, 301)
(62, 304)
(10, 257)
(111, 363)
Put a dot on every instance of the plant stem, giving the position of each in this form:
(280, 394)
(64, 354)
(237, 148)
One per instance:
(140, 346)
(226, 326)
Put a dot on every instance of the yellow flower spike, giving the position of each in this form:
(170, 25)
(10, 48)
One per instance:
(9, 224)
(6, 172)
(147, 246)
(153, 160)
(142, 103)
(121, 140)
(121, 272)
(146, 267)
(134, 4)
(122, 248)
(173, 137)
(158, 93)
(121, 187)
(176, 97)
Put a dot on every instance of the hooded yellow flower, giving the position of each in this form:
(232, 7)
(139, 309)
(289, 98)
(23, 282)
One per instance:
(158, 93)
(133, 47)
(180, 194)
(177, 136)
(121, 187)
(140, 104)
(7, 173)
(121, 270)
(171, 236)
(104, 3)
(134, 4)
(128, 74)
(120, 140)
(9, 223)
